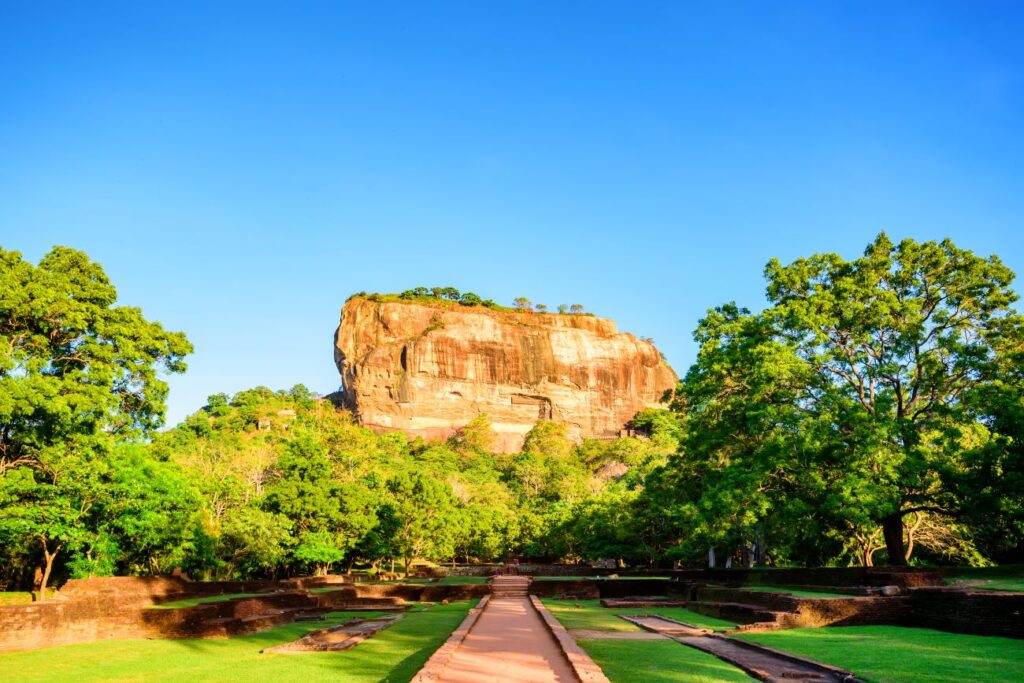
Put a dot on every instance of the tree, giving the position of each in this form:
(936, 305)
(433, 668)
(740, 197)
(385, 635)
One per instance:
(318, 548)
(563, 308)
(541, 308)
(421, 506)
(847, 394)
(76, 372)
(476, 437)
(522, 303)
(576, 308)
(72, 362)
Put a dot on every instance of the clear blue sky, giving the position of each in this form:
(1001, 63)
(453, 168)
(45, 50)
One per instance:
(240, 169)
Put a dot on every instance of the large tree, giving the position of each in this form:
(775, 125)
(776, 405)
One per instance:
(847, 392)
(76, 372)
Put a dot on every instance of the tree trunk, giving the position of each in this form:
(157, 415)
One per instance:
(892, 530)
(48, 557)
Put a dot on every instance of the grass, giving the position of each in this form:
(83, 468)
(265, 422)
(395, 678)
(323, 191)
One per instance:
(588, 614)
(445, 581)
(192, 602)
(893, 654)
(644, 661)
(659, 661)
(1014, 584)
(9, 598)
(395, 654)
(462, 580)
(796, 592)
(15, 598)
(1002, 578)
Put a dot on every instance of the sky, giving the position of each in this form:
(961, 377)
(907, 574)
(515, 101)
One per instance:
(239, 169)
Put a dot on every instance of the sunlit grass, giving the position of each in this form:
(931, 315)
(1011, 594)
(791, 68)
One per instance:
(588, 614)
(192, 602)
(659, 661)
(893, 654)
(394, 654)
(796, 592)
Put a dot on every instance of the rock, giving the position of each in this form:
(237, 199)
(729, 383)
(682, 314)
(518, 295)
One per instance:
(890, 591)
(427, 369)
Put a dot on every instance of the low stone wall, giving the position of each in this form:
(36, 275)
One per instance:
(118, 607)
(568, 589)
(588, 589)
(705, 593)
(126, 588)
(524, 569)
(993, 613)
(823, 576)
(67, 621)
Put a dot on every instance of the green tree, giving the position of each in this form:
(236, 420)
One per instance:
(76, 372)
(522, 304)
(846, 394)
(421, 506)
(576, 308)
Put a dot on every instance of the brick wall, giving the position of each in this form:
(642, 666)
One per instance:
(824, 576)
(992, 613)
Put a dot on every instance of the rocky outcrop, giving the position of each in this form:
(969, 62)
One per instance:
(427, 369)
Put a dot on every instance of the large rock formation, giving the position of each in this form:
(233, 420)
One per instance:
(429, 368)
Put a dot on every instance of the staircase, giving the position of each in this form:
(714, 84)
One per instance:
(506, 586)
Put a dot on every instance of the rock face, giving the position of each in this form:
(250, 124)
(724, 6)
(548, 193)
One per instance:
(429, 368)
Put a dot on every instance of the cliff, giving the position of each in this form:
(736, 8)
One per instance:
(428, 368)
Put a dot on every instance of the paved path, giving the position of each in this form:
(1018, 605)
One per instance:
(509, 644)
(763, 663)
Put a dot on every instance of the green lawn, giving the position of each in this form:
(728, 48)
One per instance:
(1008, 583)
(15, 598)
(659, 661)
(462, 580)
(892, 654)
(395, 654)
(192, 602)
(644, 661)
(795, 592)
(590, 615)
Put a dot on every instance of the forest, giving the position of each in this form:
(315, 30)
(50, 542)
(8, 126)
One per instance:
(871, 413)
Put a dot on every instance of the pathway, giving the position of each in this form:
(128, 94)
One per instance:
(761, 662)
(509, 643)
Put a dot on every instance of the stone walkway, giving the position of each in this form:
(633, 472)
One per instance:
(508, 644)
(762, 663)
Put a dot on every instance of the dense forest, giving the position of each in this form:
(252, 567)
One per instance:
(871, 413)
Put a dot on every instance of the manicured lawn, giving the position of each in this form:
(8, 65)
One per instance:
(462, 580)
(590, 615)
(395, 654)
(892, 654)
(796, 592)
(192, 602)
(659, 661)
